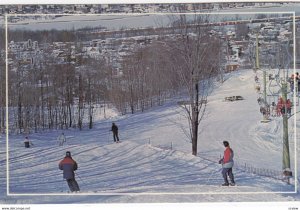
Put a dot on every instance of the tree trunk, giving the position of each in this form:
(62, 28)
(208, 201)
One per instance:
(91, 122)
(80, 103)
(3, 118)
(70, 114)
(195, 118)
(20, 113)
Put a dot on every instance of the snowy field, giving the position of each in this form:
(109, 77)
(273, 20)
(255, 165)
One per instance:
(153, 163)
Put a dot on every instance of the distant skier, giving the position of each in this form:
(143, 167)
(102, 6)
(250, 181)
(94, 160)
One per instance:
(291, 81)
(273, 110)
(61, 139)
(114, 129)
(298, 82)
(227, 164)
(68, 165)
(279, 107)
(27, 143)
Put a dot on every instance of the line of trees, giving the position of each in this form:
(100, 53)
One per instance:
(49, 95)
(53, 95)
(147, 81)
(43, 36)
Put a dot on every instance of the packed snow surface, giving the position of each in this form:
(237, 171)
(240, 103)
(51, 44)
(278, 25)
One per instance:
(153, 162)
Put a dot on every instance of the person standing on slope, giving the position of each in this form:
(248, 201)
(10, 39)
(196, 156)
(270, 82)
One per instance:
(68, 165)
(61, 139)
(227, 164)
(114, 129)
(27, 142)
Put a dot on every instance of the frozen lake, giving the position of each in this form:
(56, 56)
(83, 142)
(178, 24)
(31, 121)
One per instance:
(116, 22)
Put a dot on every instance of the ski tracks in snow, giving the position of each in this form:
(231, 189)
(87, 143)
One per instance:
(127, 168)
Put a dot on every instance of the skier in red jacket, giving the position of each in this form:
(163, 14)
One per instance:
(227, 164)
(68, 165)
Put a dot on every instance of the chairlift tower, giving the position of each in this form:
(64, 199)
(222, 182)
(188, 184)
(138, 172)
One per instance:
(286, 165)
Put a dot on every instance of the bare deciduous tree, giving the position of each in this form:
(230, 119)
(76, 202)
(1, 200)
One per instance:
(195, 57)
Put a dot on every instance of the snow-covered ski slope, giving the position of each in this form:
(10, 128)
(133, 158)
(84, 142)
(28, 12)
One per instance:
(153, 163)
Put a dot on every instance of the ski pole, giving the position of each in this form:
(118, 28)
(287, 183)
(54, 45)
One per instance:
(79, 178)
(107, 133)
(62, 186)
(108, 136)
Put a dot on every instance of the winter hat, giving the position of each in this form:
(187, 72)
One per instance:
(226, 143)
(68, 154)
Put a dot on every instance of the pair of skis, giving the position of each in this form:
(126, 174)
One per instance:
(229, 184)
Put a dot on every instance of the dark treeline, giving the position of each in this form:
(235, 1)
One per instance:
(43, 36)
(86, 34)
(48, 36)
(52, 95)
